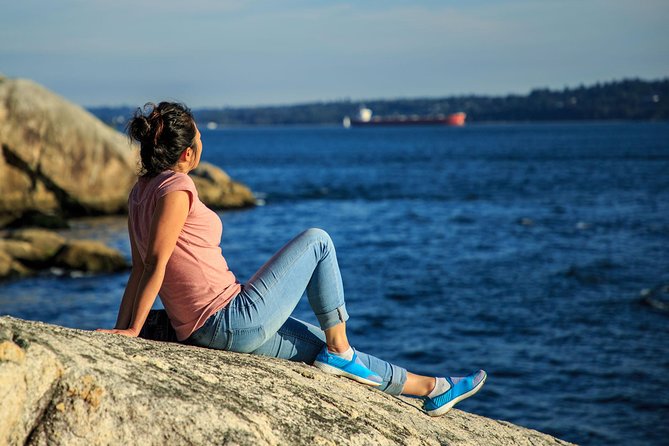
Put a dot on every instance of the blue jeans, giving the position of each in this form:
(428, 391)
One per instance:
(258, 319)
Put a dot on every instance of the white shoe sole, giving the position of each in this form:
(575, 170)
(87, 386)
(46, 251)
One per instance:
(335, 371)
(448, 406)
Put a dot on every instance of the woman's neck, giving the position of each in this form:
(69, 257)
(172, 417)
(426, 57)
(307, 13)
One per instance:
(181, 168)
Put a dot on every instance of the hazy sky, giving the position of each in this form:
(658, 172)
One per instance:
(217, 53)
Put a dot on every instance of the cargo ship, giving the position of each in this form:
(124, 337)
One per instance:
(365, 119)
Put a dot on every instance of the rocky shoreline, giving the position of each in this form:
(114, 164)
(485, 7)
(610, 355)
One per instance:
(62, 386)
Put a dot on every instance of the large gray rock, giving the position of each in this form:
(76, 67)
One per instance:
(57, 157)
(61, 386)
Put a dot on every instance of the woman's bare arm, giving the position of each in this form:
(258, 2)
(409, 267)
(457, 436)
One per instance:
(166, 224)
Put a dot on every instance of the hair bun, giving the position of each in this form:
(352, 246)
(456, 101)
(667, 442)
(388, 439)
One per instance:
(139, 128)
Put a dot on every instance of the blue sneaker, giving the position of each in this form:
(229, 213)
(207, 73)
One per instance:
(460, 389)
(354, 369)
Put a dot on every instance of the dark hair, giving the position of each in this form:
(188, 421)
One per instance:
(163, 131)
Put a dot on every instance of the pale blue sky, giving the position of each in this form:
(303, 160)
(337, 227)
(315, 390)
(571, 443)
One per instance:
(239, 52)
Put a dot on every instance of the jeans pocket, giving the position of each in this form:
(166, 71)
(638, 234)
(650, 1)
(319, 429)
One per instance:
(246, 340)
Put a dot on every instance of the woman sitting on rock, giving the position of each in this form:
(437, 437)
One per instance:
(175, 242)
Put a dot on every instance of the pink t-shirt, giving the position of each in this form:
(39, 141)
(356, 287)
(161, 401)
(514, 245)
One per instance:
(197, 280)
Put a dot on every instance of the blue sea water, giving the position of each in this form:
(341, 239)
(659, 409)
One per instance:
(522, 249)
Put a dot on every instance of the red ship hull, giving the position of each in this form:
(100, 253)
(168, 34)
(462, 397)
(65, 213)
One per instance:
(455, 119)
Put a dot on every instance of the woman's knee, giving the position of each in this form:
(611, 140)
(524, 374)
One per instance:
(320, 240)
(317, 234)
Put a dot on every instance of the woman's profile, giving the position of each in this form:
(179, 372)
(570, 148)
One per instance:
(175, 243)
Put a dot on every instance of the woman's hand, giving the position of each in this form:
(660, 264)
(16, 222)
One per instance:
(127, 332)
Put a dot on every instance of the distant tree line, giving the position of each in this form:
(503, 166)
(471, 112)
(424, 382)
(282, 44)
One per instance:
(630, 99)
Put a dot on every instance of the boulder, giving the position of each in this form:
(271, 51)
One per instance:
(24, 252)
(56, 155)
(32, 246)
(57, 158)
(217, 190)
(61, 386)
(90, 255)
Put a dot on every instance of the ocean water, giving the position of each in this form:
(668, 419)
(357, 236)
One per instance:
(522, 249)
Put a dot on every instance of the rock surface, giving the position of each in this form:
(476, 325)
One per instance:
(25, 251)
(62, 386)
(57, 157)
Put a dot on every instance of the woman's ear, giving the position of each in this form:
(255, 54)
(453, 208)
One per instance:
(187, 154)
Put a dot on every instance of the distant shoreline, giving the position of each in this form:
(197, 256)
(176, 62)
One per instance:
(625, 100)
(408, 128)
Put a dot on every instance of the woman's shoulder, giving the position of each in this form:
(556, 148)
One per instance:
(170, 180)
(153, 188)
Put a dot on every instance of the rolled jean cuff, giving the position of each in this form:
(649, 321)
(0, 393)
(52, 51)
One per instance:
(397, 381)
(333, 317)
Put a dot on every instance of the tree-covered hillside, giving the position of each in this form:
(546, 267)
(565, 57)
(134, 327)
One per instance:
(631, 99)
